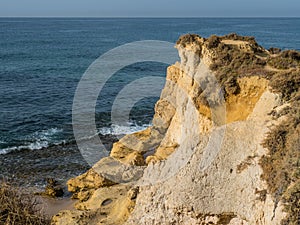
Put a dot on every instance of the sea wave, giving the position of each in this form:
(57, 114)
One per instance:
(117, 130)
(37, 140)
(122, 130)
(52, 136)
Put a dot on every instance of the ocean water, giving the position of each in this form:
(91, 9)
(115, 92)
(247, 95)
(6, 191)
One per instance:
(42, 61)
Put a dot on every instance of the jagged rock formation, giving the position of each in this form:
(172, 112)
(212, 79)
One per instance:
(214, 151)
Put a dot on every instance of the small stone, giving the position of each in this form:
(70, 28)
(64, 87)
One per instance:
(132, 193)
(53, 188)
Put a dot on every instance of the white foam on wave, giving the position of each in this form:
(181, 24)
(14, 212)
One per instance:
(120, 130)
(42, 139)
(37, 140)
(5, 151)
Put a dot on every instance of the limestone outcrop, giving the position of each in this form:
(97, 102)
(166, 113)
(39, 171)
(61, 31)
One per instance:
(205, 160)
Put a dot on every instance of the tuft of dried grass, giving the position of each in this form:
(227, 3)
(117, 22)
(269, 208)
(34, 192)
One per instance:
(19, 208)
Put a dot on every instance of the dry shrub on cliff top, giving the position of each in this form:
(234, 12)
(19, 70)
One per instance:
(232, 59)
(286, 83)
(232, 62)
(213, 41)
(18, 208)
(188, 39)
(285, 60)
(236, 37)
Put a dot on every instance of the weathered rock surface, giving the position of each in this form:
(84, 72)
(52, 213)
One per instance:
(193, 196)
(200, 161)
(53, 188)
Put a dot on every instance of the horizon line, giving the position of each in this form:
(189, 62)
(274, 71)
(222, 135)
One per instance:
(154, 17)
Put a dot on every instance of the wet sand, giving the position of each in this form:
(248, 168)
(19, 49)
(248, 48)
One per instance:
(51, 207)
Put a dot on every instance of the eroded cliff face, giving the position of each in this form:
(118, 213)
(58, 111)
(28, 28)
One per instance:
(200, 162)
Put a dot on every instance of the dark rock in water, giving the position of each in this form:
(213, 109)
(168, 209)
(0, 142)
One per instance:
(53, 189)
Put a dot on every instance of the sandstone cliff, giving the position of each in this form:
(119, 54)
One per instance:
(223, 148)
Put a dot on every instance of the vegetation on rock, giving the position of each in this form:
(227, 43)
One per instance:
(282, 165)
(285, 60)
(19, 208)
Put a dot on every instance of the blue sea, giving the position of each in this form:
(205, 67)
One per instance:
(43, 59)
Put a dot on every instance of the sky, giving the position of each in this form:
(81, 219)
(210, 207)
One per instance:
(149, 8)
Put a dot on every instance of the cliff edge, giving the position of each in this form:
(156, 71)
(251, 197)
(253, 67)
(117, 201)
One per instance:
(223, 148)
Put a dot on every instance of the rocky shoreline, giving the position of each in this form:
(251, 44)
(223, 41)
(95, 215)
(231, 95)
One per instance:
(30, 169)
(223, 148)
